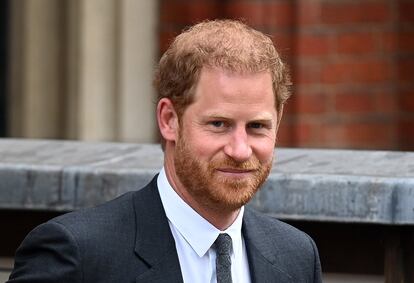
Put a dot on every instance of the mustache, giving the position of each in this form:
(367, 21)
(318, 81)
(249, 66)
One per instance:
(251, 164)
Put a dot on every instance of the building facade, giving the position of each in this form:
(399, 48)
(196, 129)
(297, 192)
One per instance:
(83, 69)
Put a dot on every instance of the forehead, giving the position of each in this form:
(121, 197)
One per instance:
(218, 83)
(223, 91)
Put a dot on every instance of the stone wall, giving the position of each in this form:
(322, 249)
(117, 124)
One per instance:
(304, 184)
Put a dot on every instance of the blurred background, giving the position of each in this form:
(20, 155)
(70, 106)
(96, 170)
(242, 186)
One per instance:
(82, 69)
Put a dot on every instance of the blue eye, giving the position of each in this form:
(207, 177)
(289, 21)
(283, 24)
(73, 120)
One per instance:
(256, 125)
(217, 124)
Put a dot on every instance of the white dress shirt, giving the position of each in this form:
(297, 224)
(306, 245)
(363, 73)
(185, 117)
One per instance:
(194, 237)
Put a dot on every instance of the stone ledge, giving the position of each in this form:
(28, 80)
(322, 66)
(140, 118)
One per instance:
(305, 184)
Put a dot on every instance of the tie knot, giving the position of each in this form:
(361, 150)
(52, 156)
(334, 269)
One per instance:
(223, 244)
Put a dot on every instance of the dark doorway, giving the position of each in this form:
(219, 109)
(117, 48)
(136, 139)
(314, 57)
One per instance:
(4, 19)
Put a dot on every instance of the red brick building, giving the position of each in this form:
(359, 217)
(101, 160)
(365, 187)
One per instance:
(352, 64)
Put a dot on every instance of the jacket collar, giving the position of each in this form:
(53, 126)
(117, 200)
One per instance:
(154, 243)
(264, 264)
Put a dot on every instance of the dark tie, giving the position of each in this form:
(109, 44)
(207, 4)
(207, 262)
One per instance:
(223, 246)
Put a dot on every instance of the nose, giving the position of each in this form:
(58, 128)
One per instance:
(238, 147)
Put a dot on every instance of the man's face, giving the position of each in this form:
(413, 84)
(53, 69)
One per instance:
(226, 138)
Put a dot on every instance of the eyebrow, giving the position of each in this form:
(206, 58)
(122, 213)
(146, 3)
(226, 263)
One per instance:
(262, 117)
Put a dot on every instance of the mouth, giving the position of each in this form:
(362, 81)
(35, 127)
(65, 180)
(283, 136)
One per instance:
(235, 172)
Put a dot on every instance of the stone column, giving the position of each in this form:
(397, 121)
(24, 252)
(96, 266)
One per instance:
(138, 50)
(34, 76)
(112, 56)
(83, 69)
(93, 69)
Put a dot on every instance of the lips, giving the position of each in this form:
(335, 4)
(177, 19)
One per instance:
(236, 173)
(235, 170)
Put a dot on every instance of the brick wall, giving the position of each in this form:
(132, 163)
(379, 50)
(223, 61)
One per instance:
(405, 70)
(352, 64)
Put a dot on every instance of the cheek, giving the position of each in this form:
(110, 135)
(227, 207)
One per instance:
(209, 149)
(203, 146)
(264, 151)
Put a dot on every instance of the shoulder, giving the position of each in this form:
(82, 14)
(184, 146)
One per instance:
(77, 244)
(109, 215)
(285, 246)
(90, 227)
(272, 226)
(280, 236)
(109, 212)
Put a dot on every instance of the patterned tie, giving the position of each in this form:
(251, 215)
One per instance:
(223, 247)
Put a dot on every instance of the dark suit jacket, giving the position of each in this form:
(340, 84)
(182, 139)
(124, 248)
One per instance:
(129, 240)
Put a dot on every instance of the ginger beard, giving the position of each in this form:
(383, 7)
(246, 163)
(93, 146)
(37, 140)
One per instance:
(215, 191)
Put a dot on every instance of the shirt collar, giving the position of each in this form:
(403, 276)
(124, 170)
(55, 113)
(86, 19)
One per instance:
(196, 230)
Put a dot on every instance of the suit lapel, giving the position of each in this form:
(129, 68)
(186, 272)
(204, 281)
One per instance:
(154, 243)
(264, 264)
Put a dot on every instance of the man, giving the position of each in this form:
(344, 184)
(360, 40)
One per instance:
(221, 90)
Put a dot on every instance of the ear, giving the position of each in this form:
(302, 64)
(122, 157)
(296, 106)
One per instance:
(167, 120)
